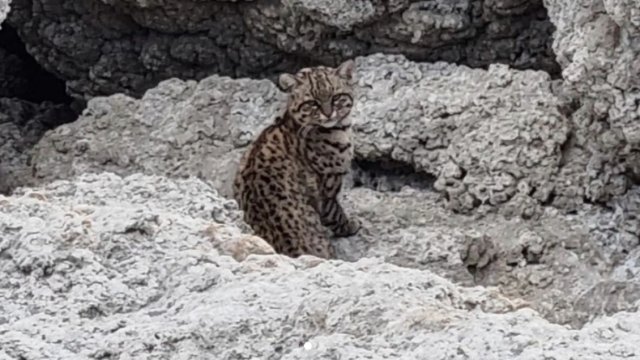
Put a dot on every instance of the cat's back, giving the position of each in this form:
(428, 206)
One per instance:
(269, 159)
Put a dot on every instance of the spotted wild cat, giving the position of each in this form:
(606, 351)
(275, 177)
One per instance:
(289, 179)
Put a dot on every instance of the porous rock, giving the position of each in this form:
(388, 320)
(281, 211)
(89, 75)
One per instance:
(433, 118)
(564, 266)
(4, 10)
(124, 268)
(487, 136)
(103, 47)
(597, 43)
(22, 124)
(179, 129)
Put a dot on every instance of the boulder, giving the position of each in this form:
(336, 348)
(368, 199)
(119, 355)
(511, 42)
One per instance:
(140, 267)
(485, 136)
(104, 47)
(597, 43)
(455, 130)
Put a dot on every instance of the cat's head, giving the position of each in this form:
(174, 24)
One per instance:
(320, 96)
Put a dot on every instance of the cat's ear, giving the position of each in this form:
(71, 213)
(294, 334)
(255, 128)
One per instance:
(345, 70)
(286, 82)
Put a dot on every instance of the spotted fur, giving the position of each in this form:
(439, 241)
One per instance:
(289, 179)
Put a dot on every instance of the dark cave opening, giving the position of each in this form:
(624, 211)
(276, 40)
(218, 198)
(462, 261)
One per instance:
(39, 84)
(389, 175)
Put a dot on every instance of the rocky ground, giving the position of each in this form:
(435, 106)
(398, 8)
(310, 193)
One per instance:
(498, 200)
(145, 267)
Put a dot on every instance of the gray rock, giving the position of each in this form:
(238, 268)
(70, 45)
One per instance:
(463, 127)
(4, 10)
(189, 129)
(598, 46)
(561, 265)
(496, 137)
(485, 136)
(105, 47)
(22, 124)
(133, 268)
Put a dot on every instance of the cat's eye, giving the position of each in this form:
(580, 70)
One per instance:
(311, 104)
(340, 97)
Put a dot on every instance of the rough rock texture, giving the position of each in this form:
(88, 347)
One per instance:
(597, 43)
(138, 268)
(562, 265)
(22, 124)
(157, 267)
(4, 10)
(179, 129)
(467, 128)
(105, 47)
(487, 136)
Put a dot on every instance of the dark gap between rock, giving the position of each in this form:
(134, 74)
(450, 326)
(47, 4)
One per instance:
(40, 85)
(389, 175)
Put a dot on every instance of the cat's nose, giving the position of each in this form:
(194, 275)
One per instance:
(327, 110)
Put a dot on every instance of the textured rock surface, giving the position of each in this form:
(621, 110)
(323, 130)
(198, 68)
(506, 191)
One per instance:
(188, 128)
(598, 46)
(152, 267)
(182, 129)
(22, 124)
(104, 47)
(4, 10)
(138, 268)
(487, 136)
(561, 265)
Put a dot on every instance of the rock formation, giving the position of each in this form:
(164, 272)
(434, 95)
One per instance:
(498, 200)
(105, 47)
(28, 108)
(4, 10)
(485, 135)
(146, 267)
(597, 45)
(186, 128)
(22, 124)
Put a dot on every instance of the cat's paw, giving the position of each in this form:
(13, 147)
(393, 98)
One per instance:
(352, 227)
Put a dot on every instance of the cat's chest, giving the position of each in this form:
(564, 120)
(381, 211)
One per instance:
(330, 152)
